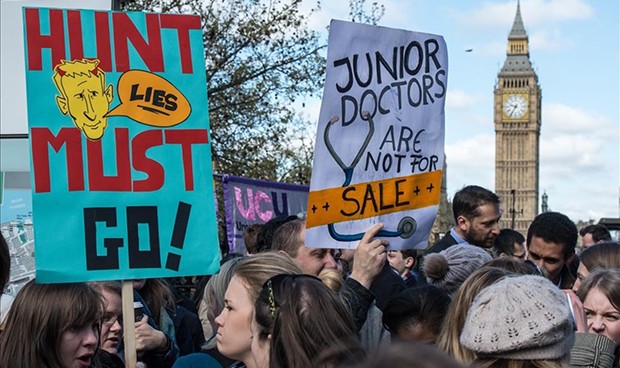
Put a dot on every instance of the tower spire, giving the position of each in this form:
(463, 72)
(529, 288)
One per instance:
(518, 30)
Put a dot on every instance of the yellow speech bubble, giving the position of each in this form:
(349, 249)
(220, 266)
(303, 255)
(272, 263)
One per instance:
(150, 99)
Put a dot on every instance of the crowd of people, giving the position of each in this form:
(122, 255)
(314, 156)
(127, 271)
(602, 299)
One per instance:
(480, 297)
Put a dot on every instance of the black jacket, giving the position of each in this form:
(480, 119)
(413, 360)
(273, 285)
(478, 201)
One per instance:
(442, 244)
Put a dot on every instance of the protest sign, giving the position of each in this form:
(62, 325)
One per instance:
(251, 201)
(380, 140)
(120, 151)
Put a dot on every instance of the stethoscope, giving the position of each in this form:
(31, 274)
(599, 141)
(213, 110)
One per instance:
(407, 225)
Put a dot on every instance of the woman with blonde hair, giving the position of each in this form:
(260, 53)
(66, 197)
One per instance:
(332, 279)
(211, 305)
(52, 326)
(448, 339)
(234, 324)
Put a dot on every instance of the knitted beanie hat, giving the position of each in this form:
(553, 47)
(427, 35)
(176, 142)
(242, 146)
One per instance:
(521, 318)
(448, 269)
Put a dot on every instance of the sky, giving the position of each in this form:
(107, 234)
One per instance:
(575, 50)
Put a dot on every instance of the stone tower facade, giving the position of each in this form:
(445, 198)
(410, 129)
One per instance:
(517, 120)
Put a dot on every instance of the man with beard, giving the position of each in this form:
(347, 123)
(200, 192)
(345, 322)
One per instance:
(476, 214)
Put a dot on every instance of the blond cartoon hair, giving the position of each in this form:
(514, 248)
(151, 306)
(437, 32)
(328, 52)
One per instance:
(75, 68)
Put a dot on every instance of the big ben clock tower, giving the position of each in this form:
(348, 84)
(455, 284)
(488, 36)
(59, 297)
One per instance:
(517, 104)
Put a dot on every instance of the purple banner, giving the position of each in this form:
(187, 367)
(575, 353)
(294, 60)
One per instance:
(251, 201)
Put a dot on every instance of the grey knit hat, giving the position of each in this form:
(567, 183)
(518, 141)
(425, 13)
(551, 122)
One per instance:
(448, 269)
(520, 318)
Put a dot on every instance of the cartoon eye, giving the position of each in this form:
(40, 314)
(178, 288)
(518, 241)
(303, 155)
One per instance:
(80, 96)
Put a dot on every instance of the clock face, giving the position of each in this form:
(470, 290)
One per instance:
(515, 106)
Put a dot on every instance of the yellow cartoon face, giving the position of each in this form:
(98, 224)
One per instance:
(84, 96)
(87, 104)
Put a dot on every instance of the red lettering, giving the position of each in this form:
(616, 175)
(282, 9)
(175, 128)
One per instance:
(125, 32)
(150, 51)
(72, 137)
(104, 54)
(182, 25)
(186, 138)
(155, 172)
(97, 181)
(74, 23)
(37, 42)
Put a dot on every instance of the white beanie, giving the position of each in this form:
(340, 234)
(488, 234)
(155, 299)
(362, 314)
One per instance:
(520, 318)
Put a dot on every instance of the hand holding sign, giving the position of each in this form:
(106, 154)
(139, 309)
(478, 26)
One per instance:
(369, 257)
(150, 99)
(390, 86)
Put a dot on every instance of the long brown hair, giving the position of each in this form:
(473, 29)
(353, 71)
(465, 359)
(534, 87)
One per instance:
(601, 255)
(607, 280)
(305, 320)
(39, 316)
(157, 295)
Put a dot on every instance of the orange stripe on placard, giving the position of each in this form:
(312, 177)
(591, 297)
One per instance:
(364, 200)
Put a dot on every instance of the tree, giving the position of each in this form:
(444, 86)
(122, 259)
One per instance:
(260, 58)
(358, 13)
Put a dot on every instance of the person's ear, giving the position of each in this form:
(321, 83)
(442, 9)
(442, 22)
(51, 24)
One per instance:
(570, 257)
(62, 104)
(410, 262)
(462, 222)
(109, 93)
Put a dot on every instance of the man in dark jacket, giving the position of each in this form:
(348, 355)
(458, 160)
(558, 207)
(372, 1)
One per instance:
(476, 215)
(551, 240)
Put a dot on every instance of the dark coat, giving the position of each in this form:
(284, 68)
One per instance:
(442, 244)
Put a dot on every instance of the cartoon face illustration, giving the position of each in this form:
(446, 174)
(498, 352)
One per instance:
(83, 95)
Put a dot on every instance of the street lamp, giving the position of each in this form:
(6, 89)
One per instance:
(513, 211)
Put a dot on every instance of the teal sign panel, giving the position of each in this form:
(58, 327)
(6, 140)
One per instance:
(120, 148)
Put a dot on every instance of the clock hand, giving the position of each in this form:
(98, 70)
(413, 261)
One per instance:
(514, 107)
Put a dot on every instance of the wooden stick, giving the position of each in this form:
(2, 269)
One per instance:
(129, 328)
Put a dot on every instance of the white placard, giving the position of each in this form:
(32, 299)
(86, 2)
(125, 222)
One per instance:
(380, 141)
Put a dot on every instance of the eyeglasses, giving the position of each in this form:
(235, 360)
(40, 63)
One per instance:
(274, 282)
(110, 318)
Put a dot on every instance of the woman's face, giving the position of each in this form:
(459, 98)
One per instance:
(111, 328)
(260, 346)
(603, 318)
(138, 284)
(582, 272)
(234, 335)
(77, 346)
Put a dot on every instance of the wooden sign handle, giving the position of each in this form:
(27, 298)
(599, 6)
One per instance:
(129, 329)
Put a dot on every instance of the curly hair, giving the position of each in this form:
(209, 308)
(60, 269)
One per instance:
(554, 227)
